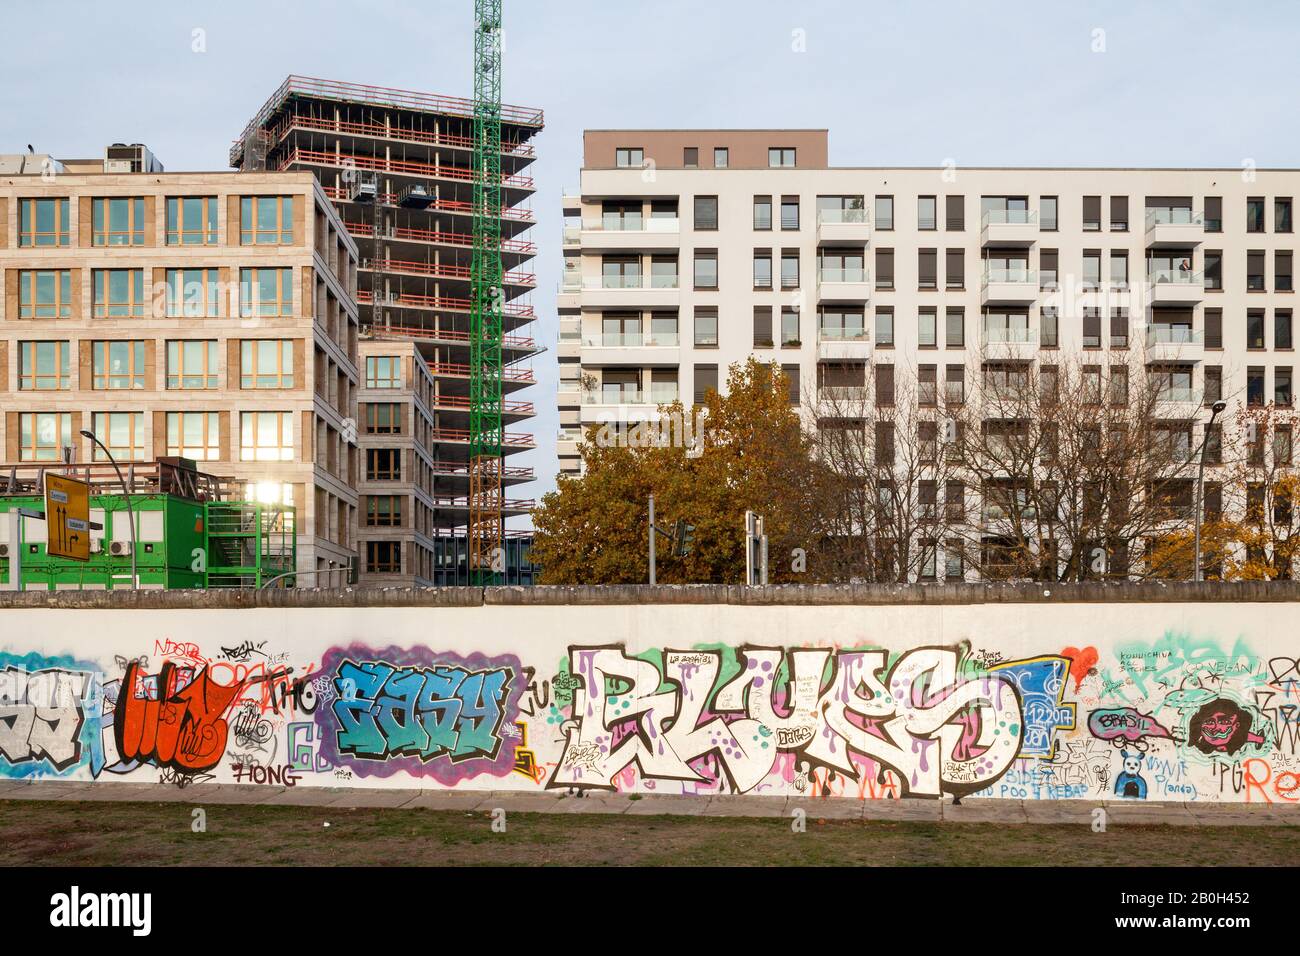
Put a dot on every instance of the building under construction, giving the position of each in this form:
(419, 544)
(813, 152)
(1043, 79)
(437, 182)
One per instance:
(400, 168)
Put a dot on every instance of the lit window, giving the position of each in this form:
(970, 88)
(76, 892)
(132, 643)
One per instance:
(45, 294)
(122, 433)
(43, 366)
(42, 435)
(266, 293)
(118, 222)
(118, 365)
(195, 435)
(266, 436)
(192, 221)
(266, 363)
(266, 220)
(192, 363)
(119, 294)
(43, 222)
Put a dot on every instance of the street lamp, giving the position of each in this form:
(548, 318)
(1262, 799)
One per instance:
(1215, 410)
(126, 492)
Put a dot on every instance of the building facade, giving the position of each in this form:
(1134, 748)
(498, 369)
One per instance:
(206, 316)
(686, 251)
(398, 166)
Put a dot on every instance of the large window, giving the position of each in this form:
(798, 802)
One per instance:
(195, 435)
(706, 328)
(42, 435)
(118, 365)
(192, 363)
(384, 511)
(43, 366)
(383, 418)
(119, 294)
(266, 436)
(384, 464)
(266, 220)
(43, 222)
(118, 222)
(45, 294)
(266, 363)
(192, 221)
(763, 212)
(122, 433)
(384, 557)
(383, 371)
(706, 269)
(706, 212)
(265, 292)
(193, 293)
(842, 325)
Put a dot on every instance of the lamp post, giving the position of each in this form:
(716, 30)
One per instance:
(1215, 410)
(126, 492)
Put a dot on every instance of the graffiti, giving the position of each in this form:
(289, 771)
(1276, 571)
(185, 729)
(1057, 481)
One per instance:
(1041, 684)
(1129, 782)
(304, 749)
(173, 718)
(938, 733)
(1127, 725)
(41, 715)
(250, 729)
(256, 773)
(1082, 663)
(244, 651)
(1222, 727)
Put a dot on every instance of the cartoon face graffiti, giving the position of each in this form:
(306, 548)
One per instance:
(1221, 727)
(1129, 783)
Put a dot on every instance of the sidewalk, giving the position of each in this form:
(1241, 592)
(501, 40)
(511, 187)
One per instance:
(1005, 812)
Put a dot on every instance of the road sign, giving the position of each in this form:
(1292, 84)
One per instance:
(67, 517)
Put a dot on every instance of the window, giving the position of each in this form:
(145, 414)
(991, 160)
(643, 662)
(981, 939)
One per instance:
(1255, 386)
(927, 335)
(1282, 329)
(43, 222)
(195, 435)
(1091, 213)
(884, 385)
(119, 294)
(1049, 384)
(1214, 328)
(691, 157)
(384, 511)
(1255, 214)
(954, 213)
(956, 328)
(620, 272)
(837, 265)
(762, 326)
(706, 380)
(884, 268)
(927, 269)
(266, 436)
(1118, 269)
(762, 268)
(706, 213)
(192, 293)
(266, 220)
(1213, 384)
(192, 363)
(954, 561)
(1255, 329)
(122, 433)
(1282, 447)
(383, 418)
(840, 325)
(1213, 269)
(265, 292)
(383, 371)
(1118, 329)
(663, 329)
(790, 326)
(954, 385)
(1091, 328)
(1119, 214)
(629, 156)
(706, 268)
(721, 157)
(1047, 213)
(118, 365)
(45, 294)
(1255, 270)
(1282, 215)
(1119, 385)
(1048, 268)
(1092, 267)
(780, 157)
(926, 219)
(43, 366)
(763, 212)
(884, 212)
(927, 395)
(43, 435)
(955, 269)
(1282, 394)
(1282, 270)
(384, 464)
(384, 557)
(706, 328)
(267, 363)
(789, 212)
(621, 217)
(789, 268)
(192, 221)
(1049, 335)
(885, 326)
(118, 222)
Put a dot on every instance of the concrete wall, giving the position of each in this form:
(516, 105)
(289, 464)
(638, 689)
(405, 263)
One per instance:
(867, 693)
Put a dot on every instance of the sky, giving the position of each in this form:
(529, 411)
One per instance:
(905, 84)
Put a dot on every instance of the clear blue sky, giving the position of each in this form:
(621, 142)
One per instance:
(917, 83)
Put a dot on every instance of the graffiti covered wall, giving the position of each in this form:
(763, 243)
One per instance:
(1140, 701)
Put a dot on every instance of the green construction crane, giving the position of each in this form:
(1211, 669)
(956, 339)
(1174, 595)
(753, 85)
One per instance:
(486, 527)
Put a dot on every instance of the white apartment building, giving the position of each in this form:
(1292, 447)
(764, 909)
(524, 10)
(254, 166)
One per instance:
(689, 250)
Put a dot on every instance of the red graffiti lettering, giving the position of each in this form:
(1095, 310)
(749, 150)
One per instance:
(174, 718)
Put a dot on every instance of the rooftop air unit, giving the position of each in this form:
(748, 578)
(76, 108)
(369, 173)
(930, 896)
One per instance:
(133, 158)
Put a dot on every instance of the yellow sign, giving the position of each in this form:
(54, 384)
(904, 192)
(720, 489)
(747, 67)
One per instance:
(67, 517)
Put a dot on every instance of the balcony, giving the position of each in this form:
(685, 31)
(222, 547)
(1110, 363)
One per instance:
(848, 227)
(1009, 227)
(614, 404)
(1174, 226)
(616, 234)
(847, 398)
(631, 291)
(1175, 287)
(835, 345)
(572, 236)
(1011, 343)
(630, 348)
(1178, 402)
(843, 285)
(1014, 286)
(1173, 343)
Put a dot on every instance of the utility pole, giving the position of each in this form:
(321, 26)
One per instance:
(652, 539)
(755, 550)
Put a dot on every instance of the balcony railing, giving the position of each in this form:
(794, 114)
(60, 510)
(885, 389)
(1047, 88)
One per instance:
(842, 335)
(657, 395)
(1173, 335)
(1000, 335)
(1178, 393)
(631, 282)
(631, 340)
(856, 216)
(843, 393)
(1016, 274)
(842, 274)
(1008, 217)
(1175, 277)
(1172, 216)
(624, 224)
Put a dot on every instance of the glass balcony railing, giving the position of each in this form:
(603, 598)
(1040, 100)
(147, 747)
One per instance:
(655, 224)
(841, 335)
(835, 215)
(1172, 216)
(572, 234)
(616, 340)
(842, 274)
(1177, 393)
(1175, 276)
(614, 395)
(843, 393)
(663, 393)
(1002, 335)
(625, 281)
(1173, 335)
(1019, 274)
(1008, 217)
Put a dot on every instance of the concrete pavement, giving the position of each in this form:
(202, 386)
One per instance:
(1002, 812)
